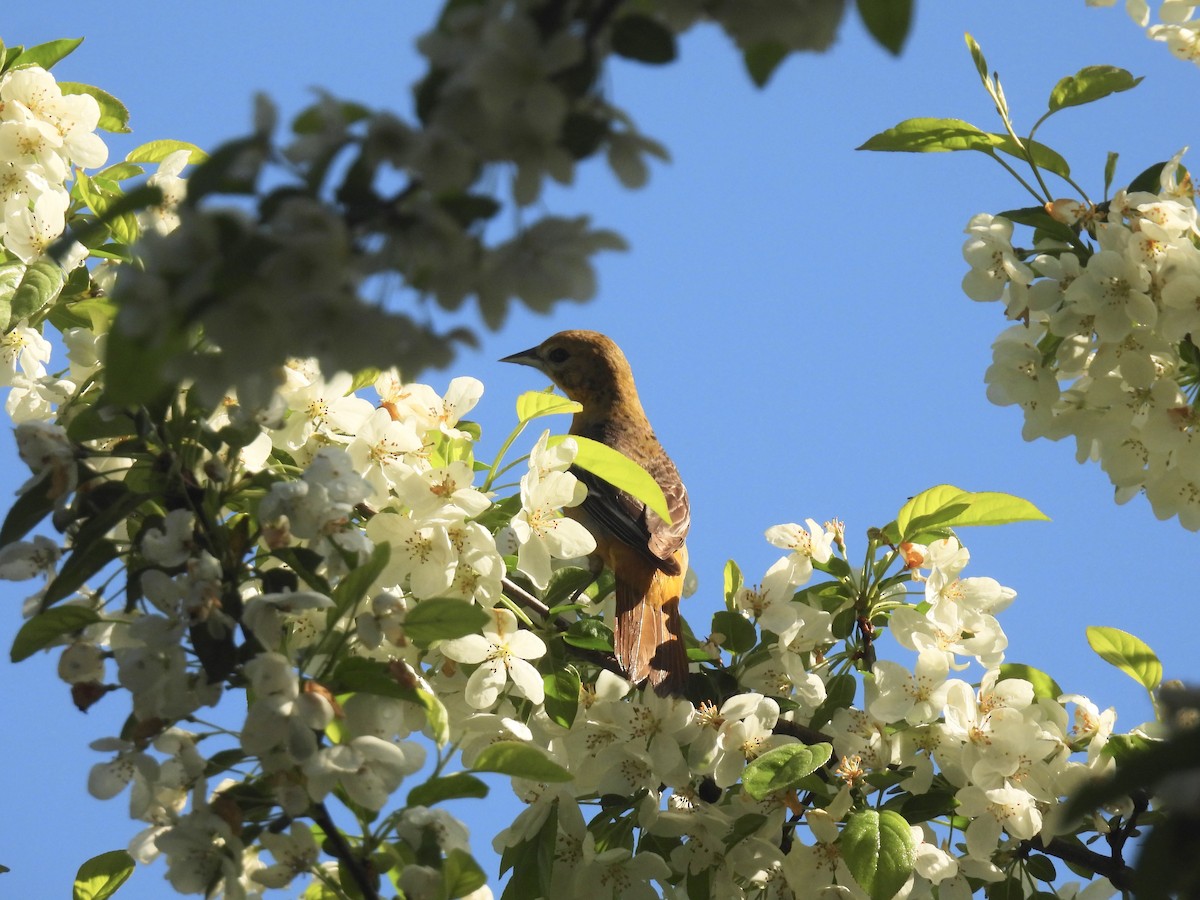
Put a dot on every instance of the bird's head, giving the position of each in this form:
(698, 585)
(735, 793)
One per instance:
(587, 366)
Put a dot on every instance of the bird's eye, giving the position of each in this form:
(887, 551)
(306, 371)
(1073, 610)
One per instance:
(557, 355)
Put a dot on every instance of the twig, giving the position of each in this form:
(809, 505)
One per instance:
(519, 595)
(1111, 867)
(344, 853)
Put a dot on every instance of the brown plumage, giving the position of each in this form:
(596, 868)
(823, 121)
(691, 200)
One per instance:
(646, 554)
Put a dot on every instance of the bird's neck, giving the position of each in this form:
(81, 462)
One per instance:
(601, 410)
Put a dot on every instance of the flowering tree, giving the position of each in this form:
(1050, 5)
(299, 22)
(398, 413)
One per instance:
(304, 573)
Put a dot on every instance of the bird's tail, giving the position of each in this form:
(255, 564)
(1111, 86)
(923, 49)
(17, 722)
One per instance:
(648, 633)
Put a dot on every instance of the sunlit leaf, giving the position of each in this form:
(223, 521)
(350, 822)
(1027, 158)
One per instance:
(447, 787)
(461, 874)
(948, 506)
(1089, 84)
(520, 761)
(878, 850)
(47, 54)
(1043, 685)
(114, 115)
(783, 768)
(443, 619)
(562, 695)
(740, 633)
(100, 876)
(923, 135)
(532, 404)
(1042, 156)
(1128, 653)
(618, 470)
(39, 285)
(157, 151)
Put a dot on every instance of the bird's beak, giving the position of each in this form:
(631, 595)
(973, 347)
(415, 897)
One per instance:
(525, 358)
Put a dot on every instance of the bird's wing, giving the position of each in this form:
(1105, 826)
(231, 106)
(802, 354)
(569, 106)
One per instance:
(628, 520)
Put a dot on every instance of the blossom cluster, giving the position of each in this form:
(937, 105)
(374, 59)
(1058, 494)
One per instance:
(396, 475)
(1104, 351)
(405, 461)
(1177, 28)
(382, 613)
(43, 134)
(510, 99)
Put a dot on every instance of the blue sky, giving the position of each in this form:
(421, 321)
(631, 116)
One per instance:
(791, 308)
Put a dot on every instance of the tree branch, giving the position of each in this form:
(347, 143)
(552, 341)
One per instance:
(522, 597)
(1111, 867)
(340, 849)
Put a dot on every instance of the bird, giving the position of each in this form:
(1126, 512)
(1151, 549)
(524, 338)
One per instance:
(646, 553)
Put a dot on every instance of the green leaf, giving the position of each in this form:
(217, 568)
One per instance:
(461, 874)
(467, 209)
(1149, 179)
(100, 876)
(40, 285)
(565, 583)
(47, 627)
(373, 677)
(157, 151)
(225, 171)
(458, 786)
(84, 562)
(949, 506)
(1037, 217)
(28, 510)
(1040, 867)
(618, 470)
(733, 581)
(532, 862)
(888, 21)
(562, 695)
(1110, 170)
(742, 827)
(533, 404)
(740, 633)
(981, 65)
(1129, 654)
(878, 850)
(315, 118)
(47, 54)
(1043, 157)
(443, 619)
(589, 634)
(133, 366)
(1044, 686)
(110, 206)
(520, 760)
(644, 39)
(352, 589)
(762, 59)
(1140, 770)
(918, 808)
(1088, 84)
(839, 694)
(98, 421)
(783, 768)
(114, 116)
(10, 278)
(924, 135)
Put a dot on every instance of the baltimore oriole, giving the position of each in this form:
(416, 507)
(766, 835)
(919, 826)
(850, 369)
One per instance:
(646, 554)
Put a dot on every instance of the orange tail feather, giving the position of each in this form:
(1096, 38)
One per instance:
(648, 633)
